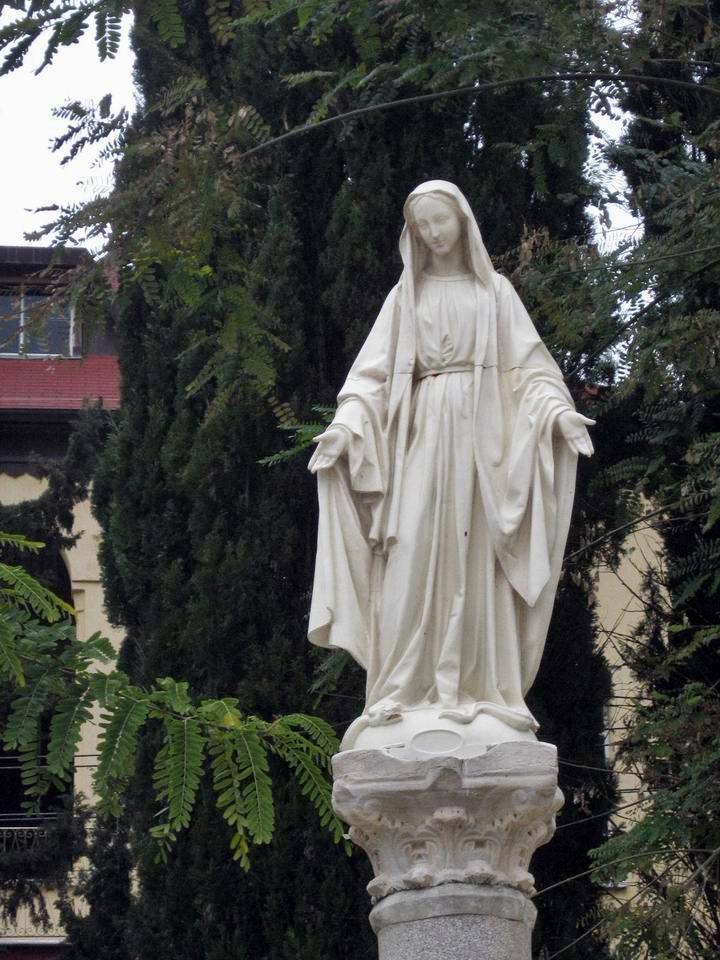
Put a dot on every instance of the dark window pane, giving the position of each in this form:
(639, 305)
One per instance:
(9, 324)
(34, 324)
(58, 335)
(45, 332)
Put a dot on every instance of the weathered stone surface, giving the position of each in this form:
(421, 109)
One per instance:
(446, 820)
(454, 922)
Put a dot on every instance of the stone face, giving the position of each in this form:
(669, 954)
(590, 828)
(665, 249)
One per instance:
(446, 820)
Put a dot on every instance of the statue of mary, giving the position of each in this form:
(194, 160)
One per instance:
(445, 483)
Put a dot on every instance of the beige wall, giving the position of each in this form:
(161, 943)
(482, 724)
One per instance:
(620, 610)
(82, 564)
(84, 569)
(17, 489)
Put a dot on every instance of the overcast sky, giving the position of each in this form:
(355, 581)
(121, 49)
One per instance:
(30, 174)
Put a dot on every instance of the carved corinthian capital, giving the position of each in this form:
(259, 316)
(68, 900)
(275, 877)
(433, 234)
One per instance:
(425, 823)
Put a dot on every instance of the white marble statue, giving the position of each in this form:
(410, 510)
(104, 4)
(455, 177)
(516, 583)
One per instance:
(445, 483)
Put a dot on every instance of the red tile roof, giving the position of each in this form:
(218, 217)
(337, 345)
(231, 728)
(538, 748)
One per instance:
(58, 383)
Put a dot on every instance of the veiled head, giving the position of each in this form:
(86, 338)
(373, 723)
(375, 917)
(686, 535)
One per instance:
(414, 249)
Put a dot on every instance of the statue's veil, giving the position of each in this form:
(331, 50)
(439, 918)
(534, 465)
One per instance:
(413, 250)
(414, 255)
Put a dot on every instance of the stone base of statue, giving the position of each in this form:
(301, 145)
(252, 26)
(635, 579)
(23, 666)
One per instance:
(450, 840)
(430, 731)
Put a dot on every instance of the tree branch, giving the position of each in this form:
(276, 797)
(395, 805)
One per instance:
(477, 89)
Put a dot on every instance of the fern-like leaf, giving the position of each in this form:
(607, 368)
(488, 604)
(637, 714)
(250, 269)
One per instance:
(169, 22)
(228, 786)
(307, 76)
(317, 729)
(74, 710)
(19, 542)
(116, 747)
(10, 664)
(178, 769)
(106, 686)
(246, 117)
(96, 648)
(328, 674)
(25, 590)
(219, 20)
(304, 435)
(306, 762)
(33, 774)
(690, 588)
(25, 711)
(702, 562)
(101, 34)
(258, 807)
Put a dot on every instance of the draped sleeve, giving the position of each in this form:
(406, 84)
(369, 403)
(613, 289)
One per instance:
(363, 403)
(537, 469)
(352, 497)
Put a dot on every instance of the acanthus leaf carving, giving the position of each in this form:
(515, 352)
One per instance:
(445, 820)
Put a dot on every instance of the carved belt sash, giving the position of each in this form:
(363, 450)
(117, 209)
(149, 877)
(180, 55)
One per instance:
(450, 368)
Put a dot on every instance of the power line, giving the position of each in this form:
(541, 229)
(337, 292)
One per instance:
(597, 816)
(584, 766)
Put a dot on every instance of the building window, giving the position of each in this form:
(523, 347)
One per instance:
(30, 327)
(9, 325)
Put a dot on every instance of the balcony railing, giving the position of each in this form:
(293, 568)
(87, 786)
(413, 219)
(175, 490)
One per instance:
(22, 839)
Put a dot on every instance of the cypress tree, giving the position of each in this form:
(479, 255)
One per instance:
(207, 555)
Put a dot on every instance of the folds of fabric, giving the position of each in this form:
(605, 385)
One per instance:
(491, 484)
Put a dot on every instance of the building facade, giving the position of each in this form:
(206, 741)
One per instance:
(51, 368)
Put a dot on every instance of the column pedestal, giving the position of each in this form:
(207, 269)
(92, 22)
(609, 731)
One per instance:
(450, 841)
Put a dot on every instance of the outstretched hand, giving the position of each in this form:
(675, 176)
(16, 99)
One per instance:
(331, 445)
(573, 426)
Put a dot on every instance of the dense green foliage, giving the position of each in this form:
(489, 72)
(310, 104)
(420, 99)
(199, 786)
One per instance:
(61, 684)
(104, 883)
(49, 518)
(246, 285)
(53, 670)
(302, 248)
(670, 156)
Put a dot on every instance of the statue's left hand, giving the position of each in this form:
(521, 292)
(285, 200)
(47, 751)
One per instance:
(573, 426)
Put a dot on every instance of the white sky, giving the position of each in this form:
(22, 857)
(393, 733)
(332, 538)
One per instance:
(624, 226)
(30, 174)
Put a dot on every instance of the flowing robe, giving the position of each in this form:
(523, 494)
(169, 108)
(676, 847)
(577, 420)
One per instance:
(441, 533)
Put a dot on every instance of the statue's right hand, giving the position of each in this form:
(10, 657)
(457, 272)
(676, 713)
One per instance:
(332, 444)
